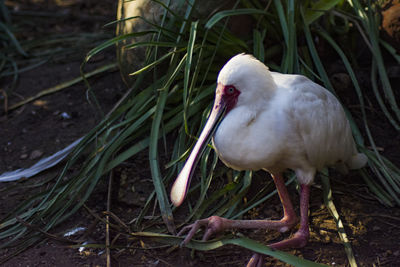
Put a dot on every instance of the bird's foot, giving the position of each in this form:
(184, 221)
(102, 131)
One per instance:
(299, 240)
(213, 225)
(255, 261)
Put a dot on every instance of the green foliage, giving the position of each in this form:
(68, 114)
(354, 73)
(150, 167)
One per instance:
(179, 99)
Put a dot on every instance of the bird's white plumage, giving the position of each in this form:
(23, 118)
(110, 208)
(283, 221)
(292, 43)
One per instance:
(282, 122)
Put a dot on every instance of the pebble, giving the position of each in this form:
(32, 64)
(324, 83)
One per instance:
(24, 156)
(35, 154)
(65, 116)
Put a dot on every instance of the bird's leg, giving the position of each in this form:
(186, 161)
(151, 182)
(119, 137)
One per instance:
(216, 224)
(300, 238)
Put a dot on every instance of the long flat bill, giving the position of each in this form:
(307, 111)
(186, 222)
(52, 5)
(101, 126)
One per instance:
(182, 182)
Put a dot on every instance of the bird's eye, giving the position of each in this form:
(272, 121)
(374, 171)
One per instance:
(230, 90)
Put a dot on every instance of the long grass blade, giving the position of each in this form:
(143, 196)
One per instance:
(227, 13)
(328, 200)
(242, 242)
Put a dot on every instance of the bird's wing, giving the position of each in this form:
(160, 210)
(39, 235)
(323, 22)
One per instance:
(321, 124)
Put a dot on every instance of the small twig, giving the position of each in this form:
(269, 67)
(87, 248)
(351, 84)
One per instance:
(150, 217)
(62, 86)
(388, 223)
(57, 15)
(381, 215)
(108, 252)
(99, 218)
(115, 239)
(161, 260)
(48, 235)
(4, 93)
(115, 217)
(126, 95)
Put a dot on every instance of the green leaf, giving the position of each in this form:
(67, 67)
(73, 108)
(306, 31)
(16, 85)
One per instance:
(242, 242)
(228, 13)
(318, 8)
(328, 200)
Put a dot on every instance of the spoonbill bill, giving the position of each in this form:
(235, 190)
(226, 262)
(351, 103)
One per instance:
(271, 121)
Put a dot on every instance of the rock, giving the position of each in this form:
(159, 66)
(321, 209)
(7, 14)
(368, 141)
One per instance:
(35, 154)
(133, 59)
(23, 156)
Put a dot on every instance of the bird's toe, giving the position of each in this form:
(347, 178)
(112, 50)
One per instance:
(212, 225)
(255, 261)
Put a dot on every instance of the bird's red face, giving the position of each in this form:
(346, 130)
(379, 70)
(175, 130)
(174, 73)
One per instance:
(226, 97)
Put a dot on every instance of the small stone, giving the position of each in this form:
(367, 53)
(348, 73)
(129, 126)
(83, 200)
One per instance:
(376, 228)
(65, 116)
(35, 154)
(323, 232)
(24, 156)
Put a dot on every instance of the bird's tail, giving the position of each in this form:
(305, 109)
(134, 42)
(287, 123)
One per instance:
(357, 161)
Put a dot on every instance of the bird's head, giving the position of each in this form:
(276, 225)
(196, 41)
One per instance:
(242, 81)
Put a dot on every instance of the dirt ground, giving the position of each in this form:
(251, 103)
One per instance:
(39, 129)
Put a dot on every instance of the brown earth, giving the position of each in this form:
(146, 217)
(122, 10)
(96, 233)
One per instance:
(38, 128)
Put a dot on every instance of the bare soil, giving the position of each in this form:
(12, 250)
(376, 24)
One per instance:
(38, 129)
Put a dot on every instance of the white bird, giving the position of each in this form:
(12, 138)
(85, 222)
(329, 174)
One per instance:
(274, 122)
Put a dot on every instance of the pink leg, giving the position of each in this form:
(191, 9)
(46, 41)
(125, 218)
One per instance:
(300, 238)
(215, 224)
